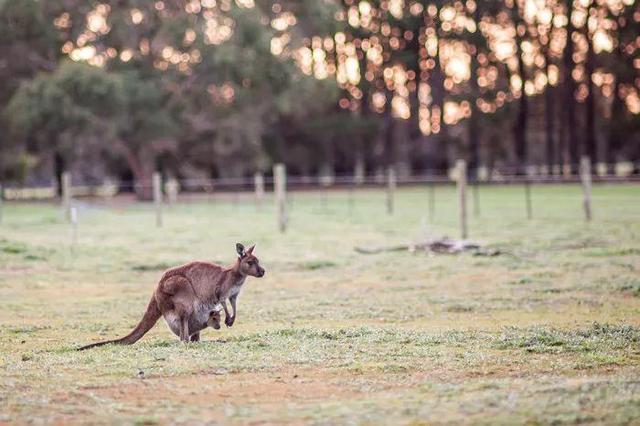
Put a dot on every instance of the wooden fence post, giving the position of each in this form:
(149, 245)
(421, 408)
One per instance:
(157, 197)
(359, 171)
(323, 194)
(280, 188)
(171, 188)
(585, 178)
(358, 180)
(258, 183)
(66, 194)
(527, 196)
(74, 227)
(476, 196)
(236, 200)
(391, 188)
(461, 166)
(432, 201)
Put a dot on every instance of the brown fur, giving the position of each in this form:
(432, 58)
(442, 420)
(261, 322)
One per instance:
(188, 297)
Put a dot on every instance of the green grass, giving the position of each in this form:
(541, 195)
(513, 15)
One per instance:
(546, 332)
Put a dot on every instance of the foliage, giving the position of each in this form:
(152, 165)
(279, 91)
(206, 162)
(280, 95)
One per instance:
(75, 96)
(204, 88)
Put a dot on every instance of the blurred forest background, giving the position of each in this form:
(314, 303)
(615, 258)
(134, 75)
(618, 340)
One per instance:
(224, 88)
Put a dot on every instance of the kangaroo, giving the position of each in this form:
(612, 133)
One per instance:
(191, 296)
(214, 317)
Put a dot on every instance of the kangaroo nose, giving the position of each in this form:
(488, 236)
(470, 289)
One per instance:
(262, 272)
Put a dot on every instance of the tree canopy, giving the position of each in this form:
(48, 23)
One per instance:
(208, 88)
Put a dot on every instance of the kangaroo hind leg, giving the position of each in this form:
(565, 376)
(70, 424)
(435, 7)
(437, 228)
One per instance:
(184, 332)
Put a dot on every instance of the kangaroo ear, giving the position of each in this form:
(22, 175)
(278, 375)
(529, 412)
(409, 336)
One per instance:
(250, 250)
(240, 249)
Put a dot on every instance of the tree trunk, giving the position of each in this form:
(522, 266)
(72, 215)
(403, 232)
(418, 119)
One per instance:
(520, 127)
(617, 116)
(389, 125)
(58, 169)
(142, 167)
(413, 46)
(143, 180)
(438, 94)
(359, 159)
(417, 150)
(474, 146)
(472, 126)
(569, 92)
(615, 135)
(549, 117)
(590, 110)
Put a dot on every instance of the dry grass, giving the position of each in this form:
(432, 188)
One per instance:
(549, 332)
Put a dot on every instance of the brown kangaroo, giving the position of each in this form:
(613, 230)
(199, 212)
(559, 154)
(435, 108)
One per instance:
(191, 296)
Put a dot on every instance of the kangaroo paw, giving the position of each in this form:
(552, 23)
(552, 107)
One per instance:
(229, 321)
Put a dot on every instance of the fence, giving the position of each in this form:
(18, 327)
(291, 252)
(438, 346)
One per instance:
(280, 184)
(111, 188)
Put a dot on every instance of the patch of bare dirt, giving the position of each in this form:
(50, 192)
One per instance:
(263, 397)
(263, 387)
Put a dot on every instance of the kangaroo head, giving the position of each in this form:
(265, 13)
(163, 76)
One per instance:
(214, 317)
(249, 264)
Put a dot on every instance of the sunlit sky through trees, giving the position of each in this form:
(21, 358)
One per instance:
(226, 87)
(365, 49)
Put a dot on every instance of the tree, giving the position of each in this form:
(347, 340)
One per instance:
(623, 125)
(56, 109)
(590, 110)
(569, 86)
(28, 44)
(145, 128)
(520, 125)
(224, 88)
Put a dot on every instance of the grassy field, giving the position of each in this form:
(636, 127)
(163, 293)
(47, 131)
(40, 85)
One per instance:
(548, 332)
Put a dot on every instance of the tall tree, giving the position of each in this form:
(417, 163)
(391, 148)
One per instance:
(546, 34)
(590, 110)
(569, 88)
(473, 128)
(623, 126)
(54, 109)
(29, 44)
(520, 125)
(437, 79)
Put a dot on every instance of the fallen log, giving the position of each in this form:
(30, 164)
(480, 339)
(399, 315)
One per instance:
(440, 246)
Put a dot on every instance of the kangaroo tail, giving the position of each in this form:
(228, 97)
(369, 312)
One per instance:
(149, 319)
